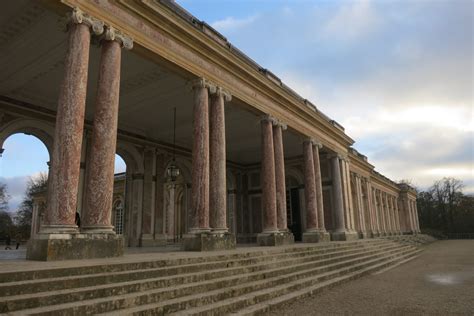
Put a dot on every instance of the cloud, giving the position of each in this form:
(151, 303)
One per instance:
(233, 24)
(397, 76)
(16, 187)
(352, 21)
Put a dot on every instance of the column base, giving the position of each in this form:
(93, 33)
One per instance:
(208, 241)
(344, 236)
(316, 236)
(275, 239)
(362, 235)
(369, 235)
(52, 247)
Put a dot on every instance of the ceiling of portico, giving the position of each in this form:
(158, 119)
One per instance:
(32, 49)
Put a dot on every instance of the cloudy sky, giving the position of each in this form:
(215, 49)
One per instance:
(397, 74)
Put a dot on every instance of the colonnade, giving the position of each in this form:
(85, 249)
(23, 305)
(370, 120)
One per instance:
(368, 212)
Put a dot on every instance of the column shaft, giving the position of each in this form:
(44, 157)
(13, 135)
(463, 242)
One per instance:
(319, 188)
(217, 178)
(345, 195)
(338, 198)
(370, 224)
(280, 177)
(388, 212)
(360, 204)
(66, 154)
(200, 160)
(268, 178)
(310, 187)
(349, 195)
(100, 169)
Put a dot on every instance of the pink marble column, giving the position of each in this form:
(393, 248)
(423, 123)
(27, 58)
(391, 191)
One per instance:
(383, 224)
(337, 191)
(360, 204)
(368, 190)
(66, 154)
(349, 194)
(397, 215)
(268, 178)
(280, 176)
(318, 186)
(100, 167)
(310, 187)
(378, 220)
(217, 178)
(394, 215)
(200, 159)
(388, 214)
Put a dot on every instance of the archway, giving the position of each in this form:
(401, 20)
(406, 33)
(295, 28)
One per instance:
(294, 206)
(177, 191)
(119, 196)
(24, 169)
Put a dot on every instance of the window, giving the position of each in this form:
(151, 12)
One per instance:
(119, 217)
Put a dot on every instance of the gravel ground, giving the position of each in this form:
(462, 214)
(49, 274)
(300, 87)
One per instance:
(438, 282)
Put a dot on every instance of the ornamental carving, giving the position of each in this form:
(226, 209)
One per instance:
(77, 16)
(112, 34)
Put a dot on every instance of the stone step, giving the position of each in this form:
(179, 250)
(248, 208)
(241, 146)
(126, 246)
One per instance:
(130, 300)
(29, 301)
(106, 266)
(214, 296)
(34, 286)
(265, 307)
(51, 297)
(268, 299)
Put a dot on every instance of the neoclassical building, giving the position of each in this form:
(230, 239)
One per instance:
(246, 159)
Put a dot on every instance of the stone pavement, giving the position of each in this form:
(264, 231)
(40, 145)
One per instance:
(438, 282)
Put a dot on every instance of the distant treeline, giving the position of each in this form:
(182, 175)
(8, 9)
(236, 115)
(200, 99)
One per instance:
(445, 210)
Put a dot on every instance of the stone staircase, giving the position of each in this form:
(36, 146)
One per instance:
(415, 240)
(237, 282)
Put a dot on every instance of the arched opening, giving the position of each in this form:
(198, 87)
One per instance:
(177, 192)
(24, 171)
(294, 206)
(119, 196)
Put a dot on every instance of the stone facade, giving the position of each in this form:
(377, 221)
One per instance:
(257, 163)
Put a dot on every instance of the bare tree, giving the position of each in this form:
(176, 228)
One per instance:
(447, 192)
(23, 216)
(6, 222)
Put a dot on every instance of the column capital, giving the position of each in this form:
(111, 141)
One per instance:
(268, 118)
(219, 91)
(203, 83)
(77, 16)
(317, 143)
(314, 142)
(112, 34)
(343, 157)
(279, 123)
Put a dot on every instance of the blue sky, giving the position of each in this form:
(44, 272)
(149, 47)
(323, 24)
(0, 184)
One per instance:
(397, 74)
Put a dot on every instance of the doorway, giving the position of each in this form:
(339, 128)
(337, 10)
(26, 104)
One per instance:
(293, 213)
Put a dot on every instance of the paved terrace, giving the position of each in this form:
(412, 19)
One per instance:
(438, 282)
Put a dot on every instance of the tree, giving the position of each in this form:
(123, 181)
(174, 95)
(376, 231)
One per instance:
(4, 197)
(6, 222)
(23, 216)
(443, 207)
